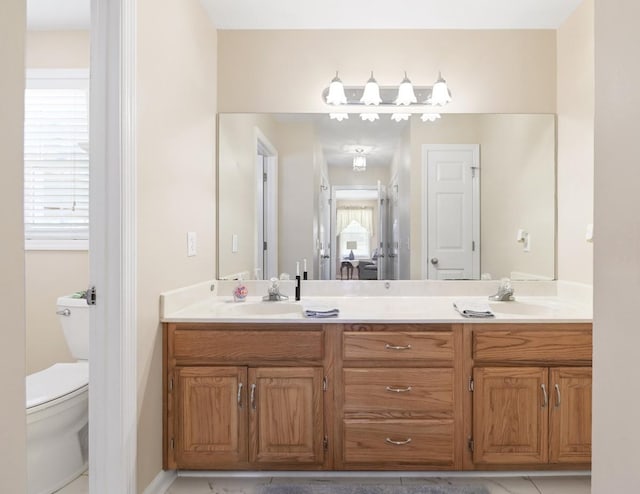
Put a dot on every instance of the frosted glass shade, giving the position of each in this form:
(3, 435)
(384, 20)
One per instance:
(336, 94)
(369, 117)
(406, 96)
(440, 94)
(430, 117)
(399, 117)
(371, 94)
(339, 116)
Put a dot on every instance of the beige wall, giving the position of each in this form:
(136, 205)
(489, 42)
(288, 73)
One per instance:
(58, 49)
(575, 144)
(517, 188)
(517, 67)
(517, 191)
(238, 183)
(176, 92)
(50, 274)
(616, 370)
(13, 476)
(297, 205)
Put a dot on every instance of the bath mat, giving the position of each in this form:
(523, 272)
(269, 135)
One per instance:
(332, 488)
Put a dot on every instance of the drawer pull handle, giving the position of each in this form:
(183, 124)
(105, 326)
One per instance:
(239, 395)
(557, 395)
(395, 347)
(395, 389)
(253, 397)
(398, 443)
(545, 398)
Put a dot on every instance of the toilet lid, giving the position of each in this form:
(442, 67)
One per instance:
(55, 382)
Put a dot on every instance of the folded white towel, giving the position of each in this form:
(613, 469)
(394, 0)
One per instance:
(473, 309)
(321, 312)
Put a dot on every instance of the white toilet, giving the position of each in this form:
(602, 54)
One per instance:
(57, 408)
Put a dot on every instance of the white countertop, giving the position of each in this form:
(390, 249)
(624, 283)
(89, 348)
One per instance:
(201, 304)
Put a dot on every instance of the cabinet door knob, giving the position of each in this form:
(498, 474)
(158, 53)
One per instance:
(434, 260)
(239, 395)
(398, 443)
(557, 395)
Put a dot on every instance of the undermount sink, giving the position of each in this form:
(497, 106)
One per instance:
(521, 308)
(264, 308)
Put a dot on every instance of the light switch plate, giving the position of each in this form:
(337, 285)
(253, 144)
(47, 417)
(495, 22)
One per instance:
(192, 247)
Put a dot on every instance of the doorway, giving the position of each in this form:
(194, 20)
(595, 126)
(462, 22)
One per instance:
(266, 261)
(358, 231)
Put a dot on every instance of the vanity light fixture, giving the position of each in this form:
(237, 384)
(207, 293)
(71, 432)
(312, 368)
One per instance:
(371, 94)
(430, 117)
(406, 95)
(399, 117)
(440, 94)
(369, 117)
(339, 116)
(359, 163)
(336, 94)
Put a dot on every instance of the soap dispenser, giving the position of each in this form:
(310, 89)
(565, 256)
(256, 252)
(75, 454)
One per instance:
(240, 292)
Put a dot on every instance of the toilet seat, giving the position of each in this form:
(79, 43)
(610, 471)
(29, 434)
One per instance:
(47, 386)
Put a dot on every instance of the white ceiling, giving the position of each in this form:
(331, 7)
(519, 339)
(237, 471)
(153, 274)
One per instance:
(340, 14)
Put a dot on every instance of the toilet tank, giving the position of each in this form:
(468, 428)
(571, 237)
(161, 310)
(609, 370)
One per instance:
(73, 314)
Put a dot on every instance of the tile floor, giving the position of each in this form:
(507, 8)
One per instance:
(496, 485)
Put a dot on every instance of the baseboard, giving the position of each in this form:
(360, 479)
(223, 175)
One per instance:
(162, 482)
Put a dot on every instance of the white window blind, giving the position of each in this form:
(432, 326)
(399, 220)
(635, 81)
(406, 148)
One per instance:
(56, 160)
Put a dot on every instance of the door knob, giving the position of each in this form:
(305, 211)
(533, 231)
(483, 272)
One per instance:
(434, 260)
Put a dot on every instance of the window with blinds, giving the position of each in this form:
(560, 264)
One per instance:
(56, 160)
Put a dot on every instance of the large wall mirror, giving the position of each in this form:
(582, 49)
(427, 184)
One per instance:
(467, 196)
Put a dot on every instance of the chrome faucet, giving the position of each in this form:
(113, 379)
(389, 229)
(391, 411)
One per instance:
(273, 292)
(504, 293)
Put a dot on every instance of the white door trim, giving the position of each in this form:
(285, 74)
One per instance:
(269, 198)
(476, 206)
(112, 253)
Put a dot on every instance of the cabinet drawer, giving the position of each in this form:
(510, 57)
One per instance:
(532, 345)
(192, 345)
(400, 346)
(399, 392)
(399, 442)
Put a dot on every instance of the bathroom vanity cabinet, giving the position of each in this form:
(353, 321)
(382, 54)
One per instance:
(244, 398)
(531, 401)
(396, 397)
(371, 396)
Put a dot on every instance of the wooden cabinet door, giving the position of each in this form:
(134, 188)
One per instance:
(211, 417)
(285, 418)
(510, 415)
(570, 415)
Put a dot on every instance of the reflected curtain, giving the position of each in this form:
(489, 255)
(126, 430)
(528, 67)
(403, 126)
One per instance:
(364, 216)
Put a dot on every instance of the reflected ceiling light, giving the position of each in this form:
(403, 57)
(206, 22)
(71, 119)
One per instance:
(430, 117)
(399, 117)
(440, 94)
(339, 116)
(406, 95)
(369, 117)
(359, 163)
(336, 94)
(371, 94)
